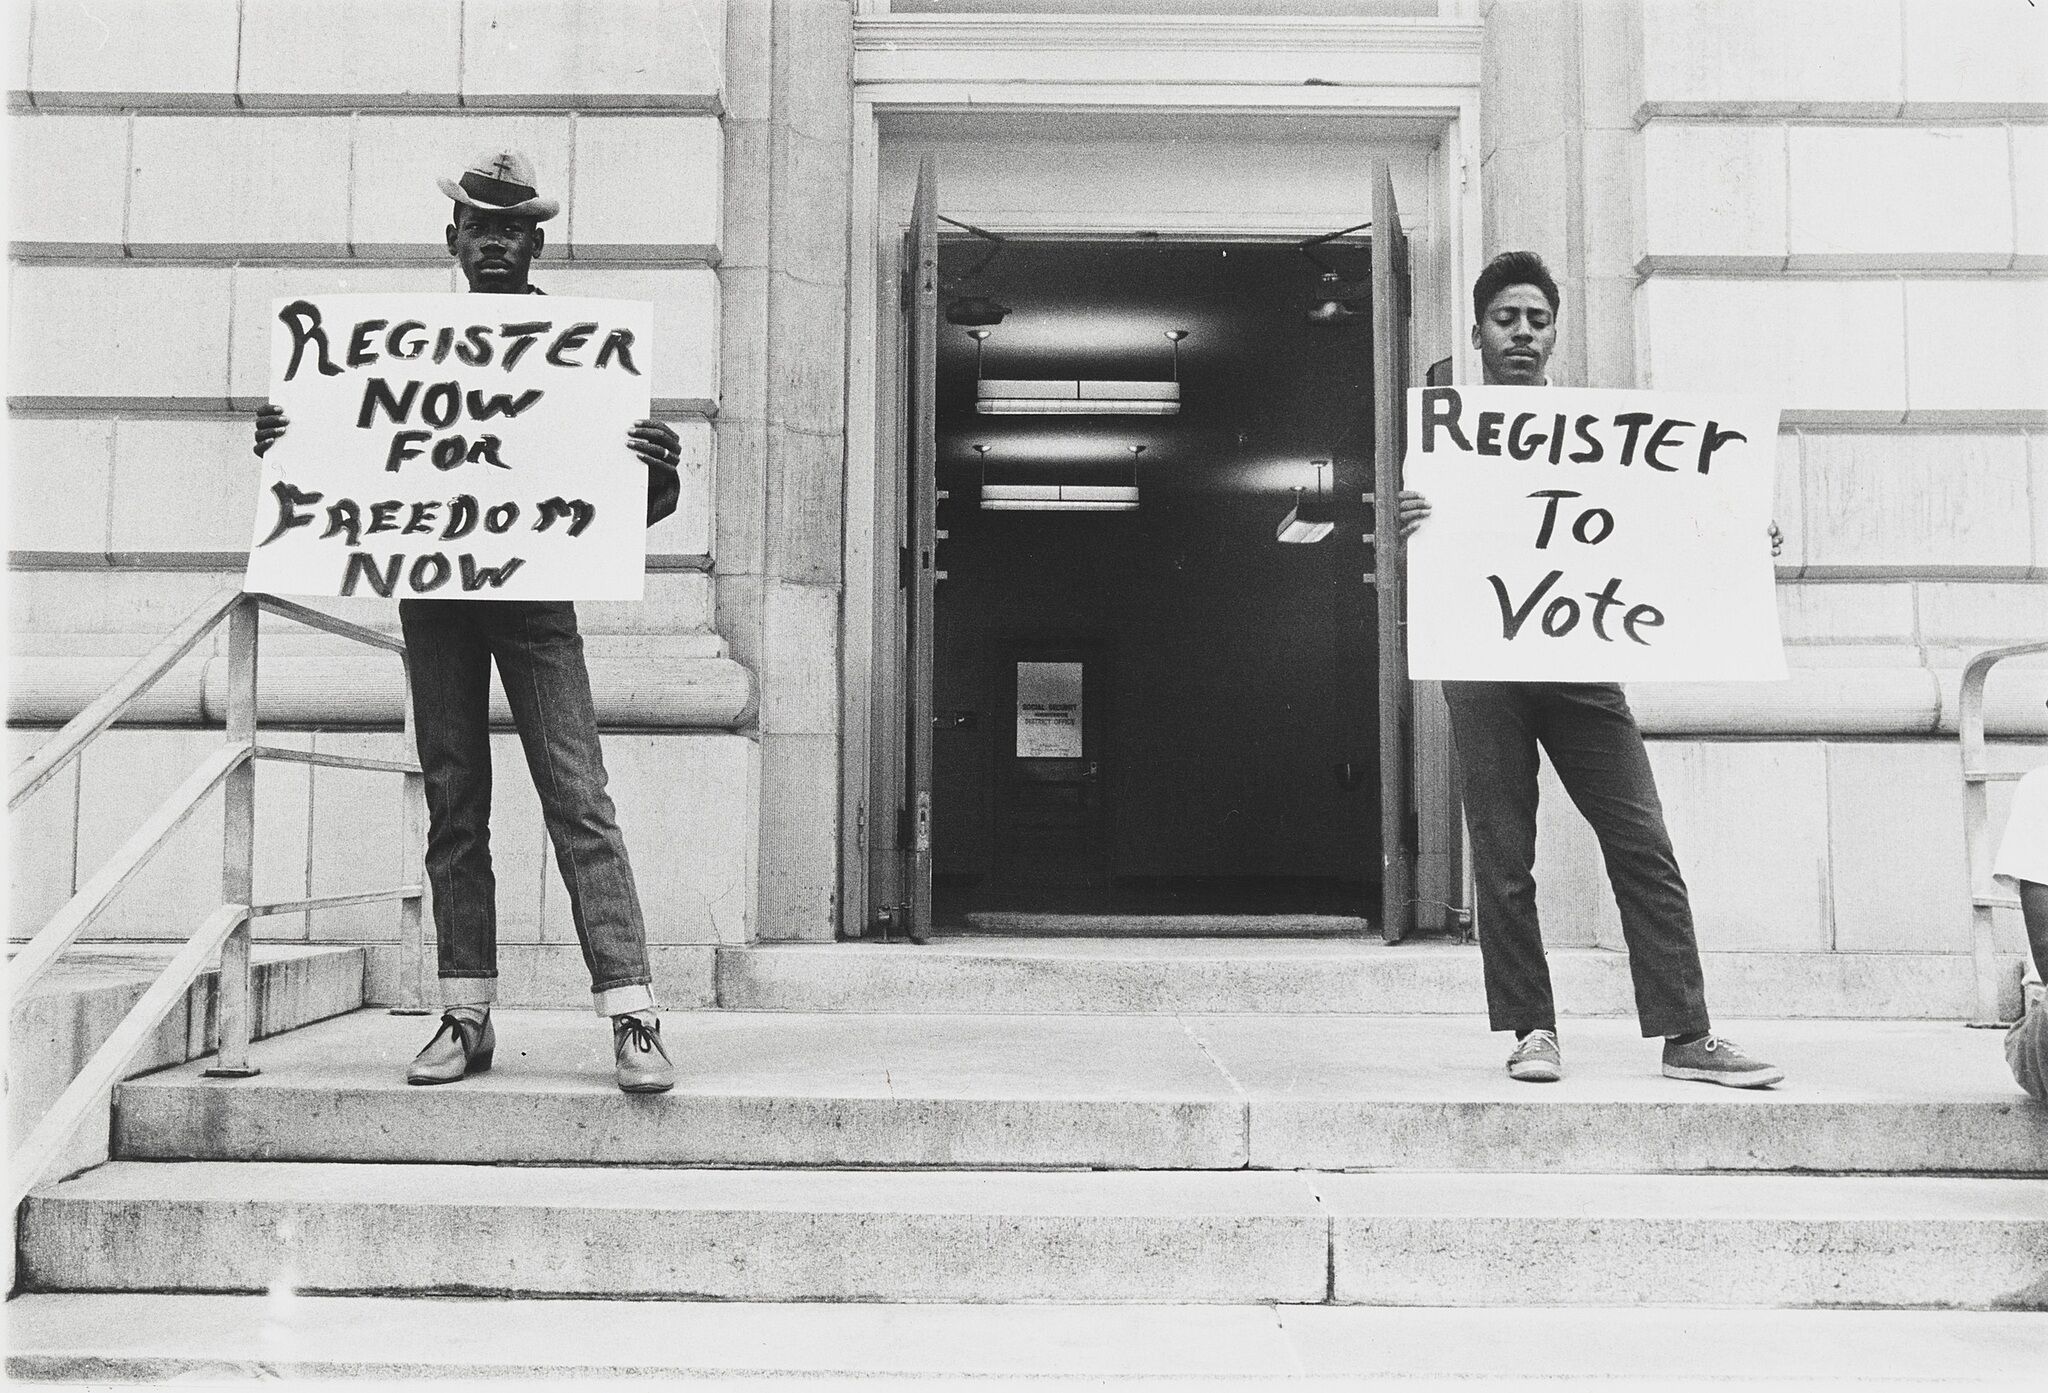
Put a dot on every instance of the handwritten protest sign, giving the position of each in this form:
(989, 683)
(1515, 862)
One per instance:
(1583, 536)
(455, 446)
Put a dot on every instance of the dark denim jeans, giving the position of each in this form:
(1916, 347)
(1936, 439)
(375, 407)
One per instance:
(450, 645)
(1593, 744)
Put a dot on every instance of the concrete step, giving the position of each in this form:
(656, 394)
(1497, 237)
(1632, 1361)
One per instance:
(72, 1009)
(98, 1338)
(746, 1235)
(985, 1236)
(1031, 924)
(1109, 1092)
(1314, 975)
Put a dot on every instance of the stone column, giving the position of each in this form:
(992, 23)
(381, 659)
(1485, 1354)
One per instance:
(781, 427)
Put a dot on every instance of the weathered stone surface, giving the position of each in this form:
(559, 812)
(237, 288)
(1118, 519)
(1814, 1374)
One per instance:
(1824, 349)
(1411, 1239)
(1771, 58)
(1275, 1091)
(1945, 199)
(91, 1338)
(601, 53)
(69, 184)
(163, 340)
(392, 52)
(208, 186)
(1068, 976)
(735, 1234)
(58, 476)
(115, 53)
(1993, 382)
(1714, 196)
(1922, 504)
(647, 188)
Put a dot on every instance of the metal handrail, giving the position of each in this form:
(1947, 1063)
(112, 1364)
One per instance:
(78, 732)
(228, 929)
(1984, 898)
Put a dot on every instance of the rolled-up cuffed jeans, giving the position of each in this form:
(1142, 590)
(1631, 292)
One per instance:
(450, 645)
(1591, 737)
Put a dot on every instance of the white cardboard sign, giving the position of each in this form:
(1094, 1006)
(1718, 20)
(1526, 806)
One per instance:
(1579, 535)
(455, 446)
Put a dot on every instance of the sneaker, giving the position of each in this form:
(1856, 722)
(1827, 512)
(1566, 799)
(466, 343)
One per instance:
(1715, 1060)
(1537, 1058)
(644, 1066)
(462, 1046)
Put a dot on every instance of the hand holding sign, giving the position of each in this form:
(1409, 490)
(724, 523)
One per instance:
(1580, 535)
(439, 447)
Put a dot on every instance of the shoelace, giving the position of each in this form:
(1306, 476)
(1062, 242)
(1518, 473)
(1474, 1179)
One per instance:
(1715, 1042)
(1536, 1037)
(466, 1032)
(646, 1038)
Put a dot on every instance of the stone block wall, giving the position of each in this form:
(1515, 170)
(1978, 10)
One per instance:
(175, 168)
(1839, 206)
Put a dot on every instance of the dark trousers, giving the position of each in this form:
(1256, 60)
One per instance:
(450, 646)
(1594, 746)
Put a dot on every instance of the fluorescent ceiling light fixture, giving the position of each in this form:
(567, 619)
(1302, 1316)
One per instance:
(1059, 498)
(1310, 519)
(995, 396)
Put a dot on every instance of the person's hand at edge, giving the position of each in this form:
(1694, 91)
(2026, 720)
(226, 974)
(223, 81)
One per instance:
(270, 425)
(1413, 512)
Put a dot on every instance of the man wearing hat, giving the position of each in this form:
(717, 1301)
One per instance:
(450, 646)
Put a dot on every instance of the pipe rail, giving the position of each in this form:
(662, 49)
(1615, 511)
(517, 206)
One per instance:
(1977, 778)
(226, 930)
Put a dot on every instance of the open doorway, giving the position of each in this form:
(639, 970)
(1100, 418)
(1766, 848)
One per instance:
(1144, 701)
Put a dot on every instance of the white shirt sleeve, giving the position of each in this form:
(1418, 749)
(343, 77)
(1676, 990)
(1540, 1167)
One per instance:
(2023, 851)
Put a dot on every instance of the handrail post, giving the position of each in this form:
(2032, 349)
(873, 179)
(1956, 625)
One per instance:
(412, 944)
(235, 1018)
(1971, 745)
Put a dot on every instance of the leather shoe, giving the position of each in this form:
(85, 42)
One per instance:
(461, 1047)
(644, 1066)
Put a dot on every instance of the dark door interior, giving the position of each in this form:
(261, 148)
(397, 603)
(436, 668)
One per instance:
(1230, 738)
(1052, 819)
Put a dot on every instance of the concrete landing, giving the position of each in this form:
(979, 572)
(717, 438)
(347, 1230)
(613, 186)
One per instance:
(1115, 1092)
(229, 1338)
(1309, 975)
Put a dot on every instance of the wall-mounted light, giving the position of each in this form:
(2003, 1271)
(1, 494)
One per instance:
(1310, 519)
(1076, 396)
(1335, 300)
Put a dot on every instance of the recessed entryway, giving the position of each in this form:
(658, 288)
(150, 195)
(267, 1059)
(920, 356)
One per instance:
(1149, 703)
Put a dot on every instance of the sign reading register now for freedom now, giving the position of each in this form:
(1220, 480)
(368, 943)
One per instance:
(1578, 535)
(455, 447)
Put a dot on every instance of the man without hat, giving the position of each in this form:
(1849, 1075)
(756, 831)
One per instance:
(1590, 735)
(450, 646)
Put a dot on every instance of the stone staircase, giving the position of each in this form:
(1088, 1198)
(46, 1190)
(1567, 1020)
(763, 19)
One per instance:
(1163, 1191)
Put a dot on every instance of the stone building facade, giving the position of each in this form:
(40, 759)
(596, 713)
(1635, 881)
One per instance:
(1844, 206)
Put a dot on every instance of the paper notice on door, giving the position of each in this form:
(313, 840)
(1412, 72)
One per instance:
(1049, 710)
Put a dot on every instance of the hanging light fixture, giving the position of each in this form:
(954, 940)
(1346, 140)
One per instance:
(1309, 520)
(1076, 396)
(1060, 498)
(1335, 300)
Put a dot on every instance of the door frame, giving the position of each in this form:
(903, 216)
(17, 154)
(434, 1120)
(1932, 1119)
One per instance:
(1201, 68)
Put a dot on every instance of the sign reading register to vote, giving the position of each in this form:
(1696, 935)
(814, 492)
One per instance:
(462, 447)
(1586, 536)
